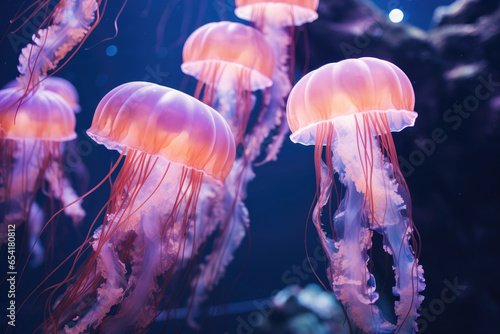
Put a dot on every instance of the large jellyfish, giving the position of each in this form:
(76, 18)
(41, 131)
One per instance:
(351, 107)
(170, 143)
(230, 60)
(277, 20)
(35, 119)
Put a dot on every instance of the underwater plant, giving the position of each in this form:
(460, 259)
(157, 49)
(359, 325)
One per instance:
(170, 144)
(351, 107)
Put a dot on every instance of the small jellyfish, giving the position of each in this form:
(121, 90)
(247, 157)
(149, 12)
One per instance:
(32, 135)
(351, 107)
(170, 143)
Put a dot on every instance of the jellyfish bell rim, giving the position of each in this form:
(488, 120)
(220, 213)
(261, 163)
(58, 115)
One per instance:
(112, 145)
(306, 135)
(227, 80)
(301, 15)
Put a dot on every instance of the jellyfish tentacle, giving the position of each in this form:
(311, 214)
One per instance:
(389, 210)
(17, 187)
(347, 252)
(71, 22)
(112, 236)
(368, 178)
(156, 250)
(233, 217)
(110, 292)
(353, 284)
(36, 220)
(274, 114)
(136, 307)
(62, 190)
(208, 213)
(28, 159)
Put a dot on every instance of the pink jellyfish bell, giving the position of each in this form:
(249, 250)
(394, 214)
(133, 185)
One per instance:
(43, 116)
(351, 107)
(231, 60)
(156, 121)
(170, 143)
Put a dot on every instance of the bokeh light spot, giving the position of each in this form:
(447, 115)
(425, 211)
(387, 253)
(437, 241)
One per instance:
(396, 15)
(111, 50)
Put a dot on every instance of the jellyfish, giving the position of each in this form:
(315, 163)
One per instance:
(276, 19)
(351, 107)
(230, 61)
(170, 144)
(35, 119)
(32, 137)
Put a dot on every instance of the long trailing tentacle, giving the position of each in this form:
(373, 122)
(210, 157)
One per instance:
(273, 115)
(231, 213)
(109, 293)
(71, 20)
(63, 191)
(374, 201)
